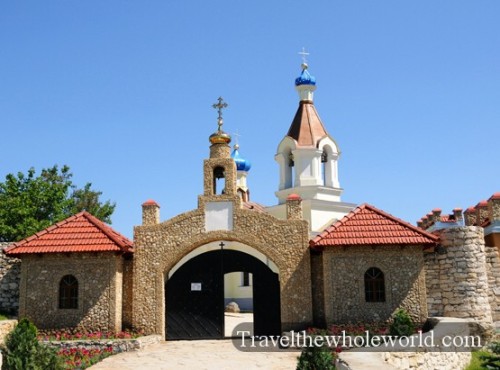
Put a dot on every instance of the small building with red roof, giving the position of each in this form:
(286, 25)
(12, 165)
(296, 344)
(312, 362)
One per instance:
(367, 265)
(77, 274)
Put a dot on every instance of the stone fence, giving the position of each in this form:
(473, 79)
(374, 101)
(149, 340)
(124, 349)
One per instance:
(10, 274)
(118, 345)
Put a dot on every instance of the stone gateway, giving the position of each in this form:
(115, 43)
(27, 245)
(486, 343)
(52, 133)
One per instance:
(311, 259)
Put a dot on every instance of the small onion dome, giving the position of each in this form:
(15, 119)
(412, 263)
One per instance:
(220, 137)
(305, 77)
(241, 164)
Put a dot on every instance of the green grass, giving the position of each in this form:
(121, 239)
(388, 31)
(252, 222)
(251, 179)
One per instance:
(3, 317)
(475, 363)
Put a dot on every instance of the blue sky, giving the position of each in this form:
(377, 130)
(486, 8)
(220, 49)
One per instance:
(121, 91)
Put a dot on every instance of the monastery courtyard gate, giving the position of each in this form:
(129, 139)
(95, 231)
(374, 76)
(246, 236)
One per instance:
(195, 295)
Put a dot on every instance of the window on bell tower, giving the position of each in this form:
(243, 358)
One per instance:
(219, 180)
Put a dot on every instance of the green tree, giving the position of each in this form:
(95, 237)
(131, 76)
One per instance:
(22, 350)
(30, 203)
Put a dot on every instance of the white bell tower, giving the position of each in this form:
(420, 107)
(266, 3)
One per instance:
(307, 158)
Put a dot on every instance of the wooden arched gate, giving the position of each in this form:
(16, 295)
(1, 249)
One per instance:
(195, 296)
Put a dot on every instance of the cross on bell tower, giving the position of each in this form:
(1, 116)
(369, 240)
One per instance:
(220, 105)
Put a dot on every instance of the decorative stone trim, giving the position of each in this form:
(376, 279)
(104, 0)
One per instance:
(118, 345)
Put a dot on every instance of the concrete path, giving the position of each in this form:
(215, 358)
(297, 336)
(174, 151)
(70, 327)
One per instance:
(200, 355)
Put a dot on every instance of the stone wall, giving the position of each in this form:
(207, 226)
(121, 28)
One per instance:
(10, 274)
(118, 345)
(318, 289)
(344, 270)
(493, 271)
(457, 280)
(159, 247)
(128, 281)
(99, 290)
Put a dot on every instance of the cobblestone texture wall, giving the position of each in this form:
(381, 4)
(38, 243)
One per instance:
(318, 289)
(493, 271)
(128, 275)
(344, 270)
(158, 248)
(99, 290)
(10, 274)
(457, 280)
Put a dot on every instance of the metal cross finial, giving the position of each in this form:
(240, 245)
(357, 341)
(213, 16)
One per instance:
(304, 55)
(220, 105)
(237, 135)
(221, 245)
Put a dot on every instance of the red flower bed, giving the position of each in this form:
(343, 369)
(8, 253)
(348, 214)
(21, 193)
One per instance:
(74, 334)
(81, 358)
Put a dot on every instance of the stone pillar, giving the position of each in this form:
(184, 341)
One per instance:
(150, 213)
(481, 212)
(494, 207)
(463, 275)
(294, 207)
(470, 216)
(459, 217)
(436, 215)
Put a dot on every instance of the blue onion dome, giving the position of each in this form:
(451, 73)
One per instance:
(305, 77)
(241, 164)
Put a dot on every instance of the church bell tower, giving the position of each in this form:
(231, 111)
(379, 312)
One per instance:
(220, 169)
(308, 162)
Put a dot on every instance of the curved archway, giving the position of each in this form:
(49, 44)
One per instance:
(194, 295)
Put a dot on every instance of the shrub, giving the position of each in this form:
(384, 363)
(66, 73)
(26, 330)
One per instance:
(316, 358)
(491, 360)
(22, 350)
(402, 325)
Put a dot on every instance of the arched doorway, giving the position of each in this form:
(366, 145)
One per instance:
(195, 295)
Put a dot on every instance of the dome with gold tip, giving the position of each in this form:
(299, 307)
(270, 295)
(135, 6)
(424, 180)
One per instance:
(220, 137)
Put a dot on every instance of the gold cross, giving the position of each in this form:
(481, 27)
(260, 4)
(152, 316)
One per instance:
(220, 105)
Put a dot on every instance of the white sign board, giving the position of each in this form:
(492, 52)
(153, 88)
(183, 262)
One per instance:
(218, 216)
(196, 287)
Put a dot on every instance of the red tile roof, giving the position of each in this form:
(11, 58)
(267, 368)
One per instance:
(150, 202)
(254, 207)
(369, 225)
(79, 233)
(293, 197)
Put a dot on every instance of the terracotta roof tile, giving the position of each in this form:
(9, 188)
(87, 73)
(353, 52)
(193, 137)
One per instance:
(369, 225)
(79, 233)
(254, 206)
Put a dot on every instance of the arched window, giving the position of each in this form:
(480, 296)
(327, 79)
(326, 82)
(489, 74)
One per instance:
(374, 285)
(324, 159)
(219, 180)
(68, 292)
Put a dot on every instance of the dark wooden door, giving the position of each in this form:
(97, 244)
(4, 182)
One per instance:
(195, 296)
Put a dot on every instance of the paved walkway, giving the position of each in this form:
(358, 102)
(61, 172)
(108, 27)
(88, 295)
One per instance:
(200, 355)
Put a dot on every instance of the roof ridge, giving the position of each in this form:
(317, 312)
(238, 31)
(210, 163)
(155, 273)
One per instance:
(405, 223)
(125, 244)
(325, 234)
(335, 225)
